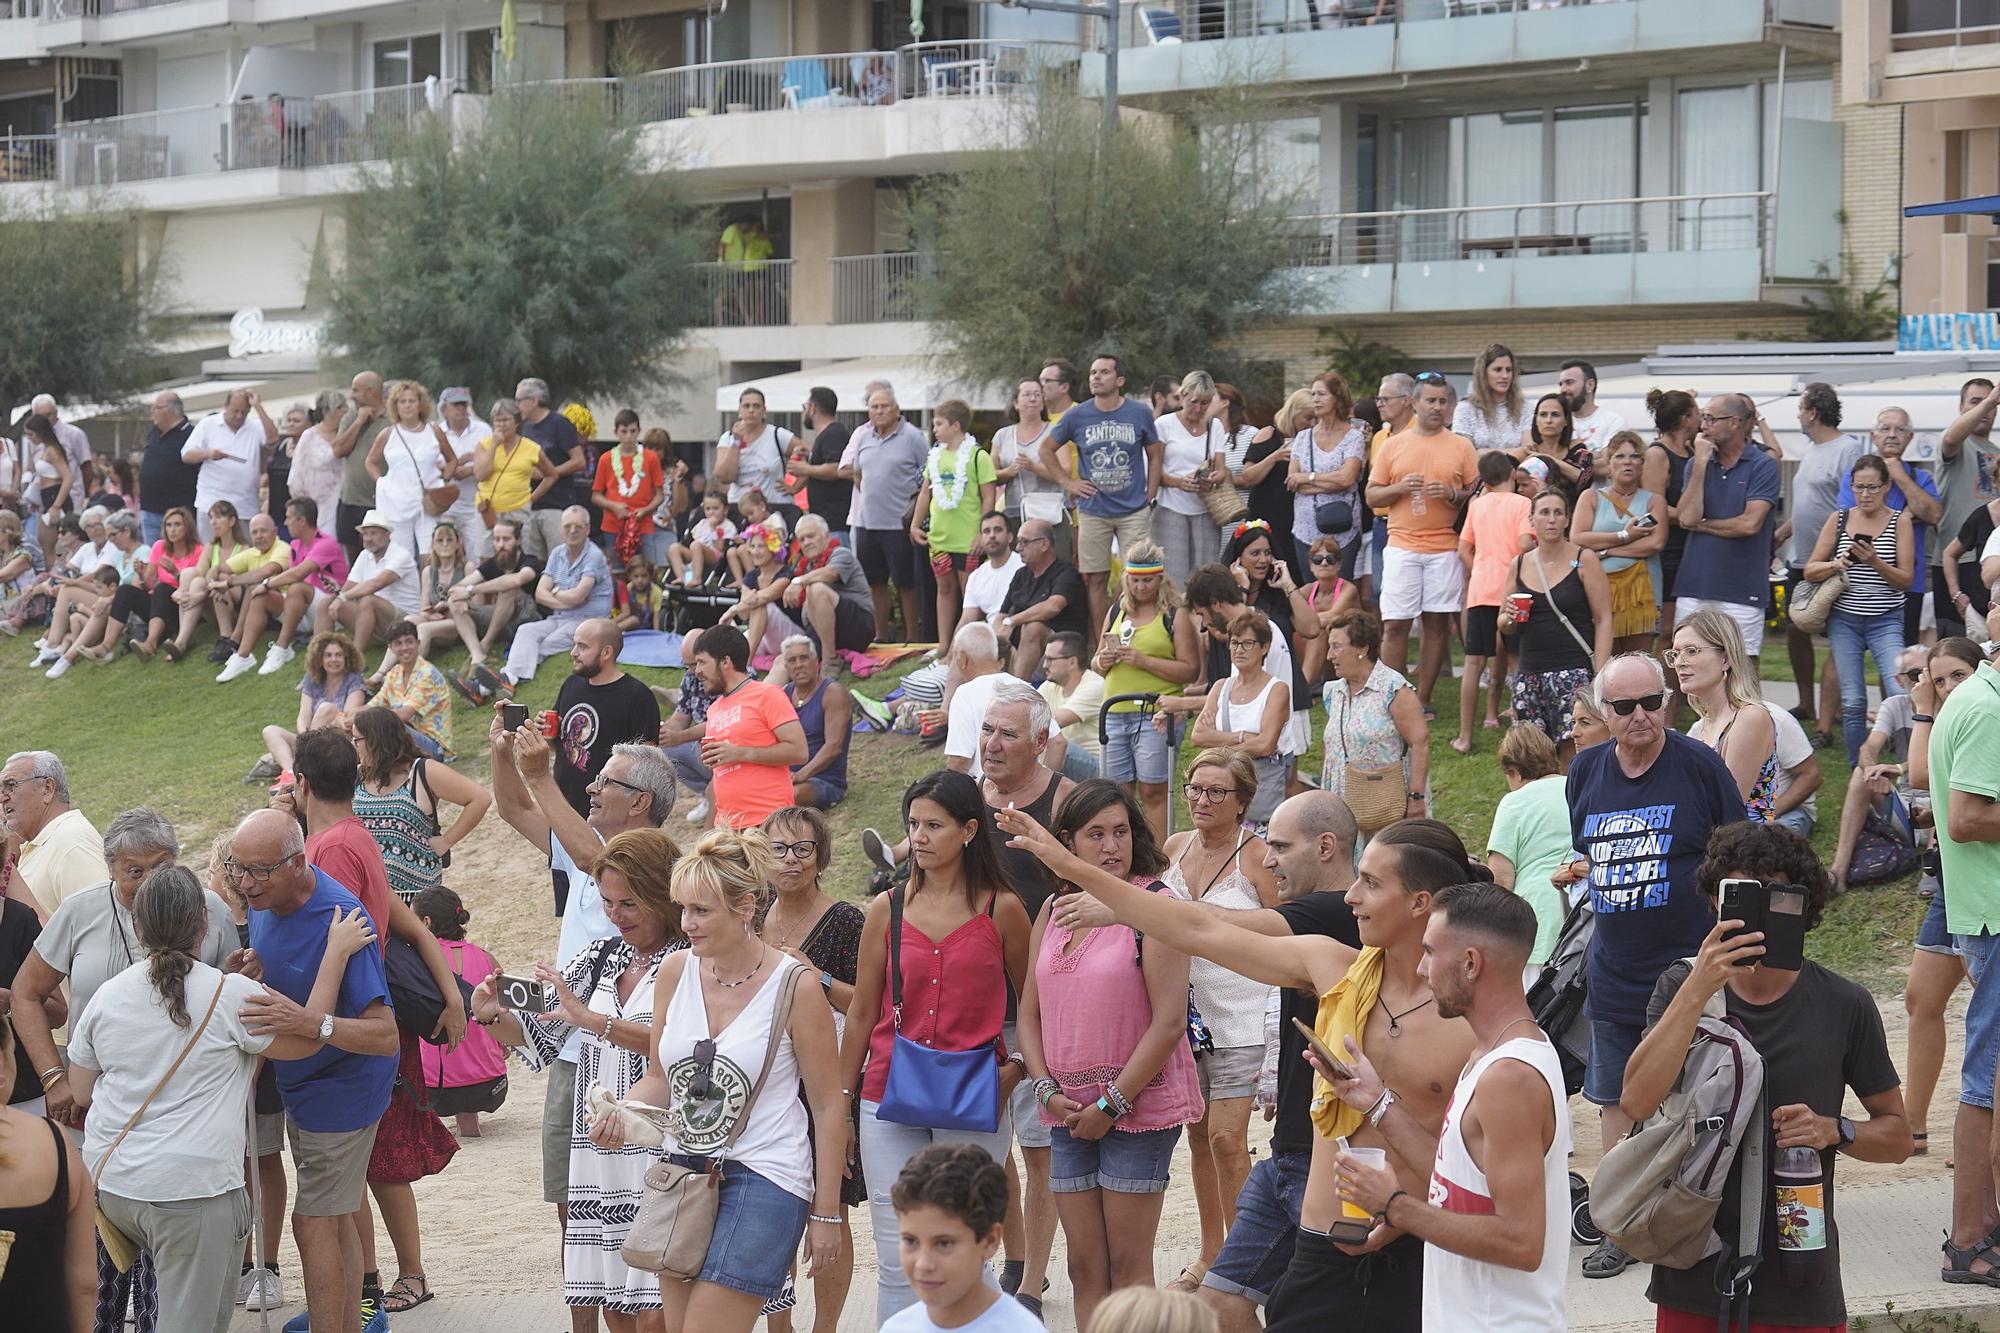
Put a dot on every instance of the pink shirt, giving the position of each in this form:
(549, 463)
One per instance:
(1493, 528)
(324, 551)
(1094, 1011)
(478, 1058)
(169, 568)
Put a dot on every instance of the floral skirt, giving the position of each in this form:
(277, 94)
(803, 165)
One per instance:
(1542, 698)
(411, 1142)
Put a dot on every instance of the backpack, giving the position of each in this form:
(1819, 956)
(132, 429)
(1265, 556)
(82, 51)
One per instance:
(1557, 997)
(1656, 1194)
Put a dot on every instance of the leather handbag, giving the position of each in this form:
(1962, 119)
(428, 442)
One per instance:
(676, 1220)
(1375, 796)
(1225, 503)
(120, 1248)
(928, 1088)
(438, 499)
(1811, 604)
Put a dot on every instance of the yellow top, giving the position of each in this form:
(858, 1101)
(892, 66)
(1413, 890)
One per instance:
(1343, 1012)
(512, 480)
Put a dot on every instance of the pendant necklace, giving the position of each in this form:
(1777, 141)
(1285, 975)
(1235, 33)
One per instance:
(1396, 1020)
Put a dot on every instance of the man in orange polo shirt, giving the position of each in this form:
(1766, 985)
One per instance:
(753, 735)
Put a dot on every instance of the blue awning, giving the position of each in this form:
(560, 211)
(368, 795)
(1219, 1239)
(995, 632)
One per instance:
(1987, 205)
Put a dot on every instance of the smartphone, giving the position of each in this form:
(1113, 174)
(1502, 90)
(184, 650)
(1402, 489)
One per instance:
(1784, 927)
(513, 716)
(1325, 1053)
(523, 993)
(1743, 900)
(1644, 522)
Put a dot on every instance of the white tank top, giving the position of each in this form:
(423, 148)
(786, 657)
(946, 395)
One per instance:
(775, 1143)
(1231, 1004)
(1464, 1293)
(1249, 717)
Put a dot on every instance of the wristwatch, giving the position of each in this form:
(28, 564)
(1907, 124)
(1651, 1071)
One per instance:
(326, 1028)
(1846, 1130)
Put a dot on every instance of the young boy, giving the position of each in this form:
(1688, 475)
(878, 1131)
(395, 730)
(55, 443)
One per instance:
(701, 554)
(950, 1201)
(1496, 530)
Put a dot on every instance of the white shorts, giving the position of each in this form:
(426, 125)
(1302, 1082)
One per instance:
(1414, 582)
(1749, 619)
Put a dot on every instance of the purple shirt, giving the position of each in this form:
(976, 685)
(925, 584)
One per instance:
(324, 551)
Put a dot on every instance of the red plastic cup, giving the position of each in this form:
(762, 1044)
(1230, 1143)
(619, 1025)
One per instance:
(1520, 601)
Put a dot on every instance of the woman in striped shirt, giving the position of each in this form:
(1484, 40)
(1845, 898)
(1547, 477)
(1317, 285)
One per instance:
(1872, 546)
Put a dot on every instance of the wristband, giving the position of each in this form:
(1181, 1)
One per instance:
(1046, 1089)
(830, 1221)
(1380, 1108)
(1922, 717)
(1105, 1106)
(608, 1021)
(1390, 1202)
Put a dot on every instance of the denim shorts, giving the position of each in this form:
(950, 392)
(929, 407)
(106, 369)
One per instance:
(1259, 1245)
(758, 1226)
(1982, 1019)
(1932, 936)
(1124, 1162)
(1611, 1047)
(1134, 749)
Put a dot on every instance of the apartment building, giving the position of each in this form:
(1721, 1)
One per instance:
(1589, 177)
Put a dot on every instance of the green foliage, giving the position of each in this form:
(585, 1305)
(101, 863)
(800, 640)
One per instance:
(1843, 311)
(76, 310)
(1167, 252)
(1362, 362)
(537, 239)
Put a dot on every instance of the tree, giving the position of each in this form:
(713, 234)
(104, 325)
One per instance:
(1362, 362)
(1168, 253)
(538, 239)
(76, 308)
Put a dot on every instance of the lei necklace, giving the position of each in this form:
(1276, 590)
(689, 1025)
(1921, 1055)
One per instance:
(628, 485)
(947, 495)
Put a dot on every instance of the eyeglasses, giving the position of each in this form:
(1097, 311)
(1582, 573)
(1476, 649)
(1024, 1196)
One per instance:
(8, 786)
(1860, 489)
(1326, 558)
(1913, 675)
(1652, 703)
(1708, 420)
(702, 1086)
(794, 851)
(257, 874)
(1674, 656)
(1210, 795)
(1246, 644)
(1030, 541)
(606, 780)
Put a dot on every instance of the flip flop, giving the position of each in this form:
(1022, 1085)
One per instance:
(410, 1291)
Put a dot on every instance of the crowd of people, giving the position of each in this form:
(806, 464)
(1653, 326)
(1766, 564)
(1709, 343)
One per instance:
(1046, 964)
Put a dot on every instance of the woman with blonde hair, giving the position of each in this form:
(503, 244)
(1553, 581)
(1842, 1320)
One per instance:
(1266, 464)
(1627, 526)
(410, 459)
(1491, 413)
(1147, 648)
(1197, 445)
(1153, 1310)
(1714, 672)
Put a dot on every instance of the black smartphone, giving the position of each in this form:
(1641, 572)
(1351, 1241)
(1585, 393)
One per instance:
(513, 716)
(1743, 900)
(1644, 522)
(1784, 927)
(523, 993)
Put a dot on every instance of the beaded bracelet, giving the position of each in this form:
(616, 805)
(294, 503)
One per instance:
(1045, 1089)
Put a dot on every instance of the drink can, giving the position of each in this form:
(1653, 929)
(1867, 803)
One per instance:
(551, 723)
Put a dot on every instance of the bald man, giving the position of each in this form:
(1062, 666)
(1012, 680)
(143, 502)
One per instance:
(229, 448)
(575, 587)
(600, 707)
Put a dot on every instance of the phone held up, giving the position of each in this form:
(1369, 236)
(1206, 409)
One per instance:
(523, 993)
(1778, 910)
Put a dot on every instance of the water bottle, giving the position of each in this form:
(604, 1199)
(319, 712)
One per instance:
(1798, 1180)
(1417, 505)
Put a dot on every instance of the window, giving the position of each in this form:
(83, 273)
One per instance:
(407, 60)
(476, 64)
(1279, 158)
(31, 114)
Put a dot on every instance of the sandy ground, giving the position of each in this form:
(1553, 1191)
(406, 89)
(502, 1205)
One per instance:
(486, 1229)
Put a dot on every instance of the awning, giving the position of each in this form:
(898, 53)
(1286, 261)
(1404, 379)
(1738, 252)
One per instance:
(218, 263)
(917, 388)
(1984, 206)
(204, 396)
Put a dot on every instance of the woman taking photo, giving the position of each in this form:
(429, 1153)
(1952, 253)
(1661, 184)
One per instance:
(1195, 443)
(1149, 647)
(175, 1137)
(1677, 419)
(1103, 1029)
(1626, 525)
(1249, 712)
(1490, 414)
(957, 488)
(1551, 438)
(1730, 718)
(1266, 465)
(1325, 474)
(1373, 719)
(410, 459)
(1566, 638)
(725, 996)
(960, 935)
(398, 800)
(1872, 547)
(614, 1019)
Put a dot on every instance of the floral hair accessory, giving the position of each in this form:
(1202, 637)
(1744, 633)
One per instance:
(769, 535)
(579, 417)
(1249, 525)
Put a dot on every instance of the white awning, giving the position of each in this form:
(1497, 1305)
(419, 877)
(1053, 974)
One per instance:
(917, 388)
(217, 263)
(201, 397)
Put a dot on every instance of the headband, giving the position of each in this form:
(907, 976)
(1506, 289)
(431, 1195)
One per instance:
(1147, 567)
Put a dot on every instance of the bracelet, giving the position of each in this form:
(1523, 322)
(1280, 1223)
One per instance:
(606, 1034)
(830, 1221)
(1390, 1202)
(1922, 717)
(1104, 1105)
(51, 1077)
(1117, 1099)
(1381, 1107)
(1046, 1089)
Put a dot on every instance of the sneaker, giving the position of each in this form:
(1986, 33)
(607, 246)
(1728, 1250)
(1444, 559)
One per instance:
(492, 681)
(699, 814)
(238, 666)
(469, 690)
(224, 650)
(56, 672)
(373, 1319)
(275, 658)
(41, 643)
(44, 655)
(265, 770)
(877, 851)
(260, 1289)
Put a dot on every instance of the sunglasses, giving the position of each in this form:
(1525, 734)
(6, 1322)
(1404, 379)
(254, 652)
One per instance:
(702, 1086)
(1430, 377)
(1652, 703)
(1913, 676)
(1325, 558)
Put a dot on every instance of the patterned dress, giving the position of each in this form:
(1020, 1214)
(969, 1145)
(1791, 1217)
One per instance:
(403, 829)
(1359, 729)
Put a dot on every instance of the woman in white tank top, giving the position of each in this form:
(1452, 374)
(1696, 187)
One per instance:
(710, 1050)
(1249, 712)
(410, 456)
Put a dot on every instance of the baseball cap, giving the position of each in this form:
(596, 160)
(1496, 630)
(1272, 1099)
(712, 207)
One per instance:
(456, 394)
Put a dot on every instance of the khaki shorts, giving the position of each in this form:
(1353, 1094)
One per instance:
(1093, 538)
(332, 1169)
(270, 1133)
(558, 1122)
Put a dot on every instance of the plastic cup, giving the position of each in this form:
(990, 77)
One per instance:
(1374, 1157)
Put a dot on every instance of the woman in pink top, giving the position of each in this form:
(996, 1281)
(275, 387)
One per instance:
(150, 593)
(1496, 530)
(1102, 1001)
(471, 1080)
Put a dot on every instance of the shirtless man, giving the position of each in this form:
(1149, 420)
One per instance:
(1416, 1052)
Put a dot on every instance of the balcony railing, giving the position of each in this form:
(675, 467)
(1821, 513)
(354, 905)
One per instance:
(27, 157)
(1519, 231)
(746, 293)
(55, 11)
(1918, 25)
(1164, 21)
(875, 289)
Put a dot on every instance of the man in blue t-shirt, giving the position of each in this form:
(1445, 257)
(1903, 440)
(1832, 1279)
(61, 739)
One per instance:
(333, 1100)
(1641, 810)
(1119, 453)
(1732, 492)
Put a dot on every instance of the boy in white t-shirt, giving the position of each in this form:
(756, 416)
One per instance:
(950, 1200)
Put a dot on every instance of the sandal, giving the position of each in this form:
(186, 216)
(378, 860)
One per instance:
(1607, 1260)
(410, 1291)
(173, 652)
(1961, 1261)
(1190, 1277)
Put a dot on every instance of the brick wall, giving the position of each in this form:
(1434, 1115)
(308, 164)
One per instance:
(1871, 182)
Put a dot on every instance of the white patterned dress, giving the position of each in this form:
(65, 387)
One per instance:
(604, 1186)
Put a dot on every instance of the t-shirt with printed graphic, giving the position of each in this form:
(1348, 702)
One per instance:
(1111, 454)
(593, 718)
(1644, 837)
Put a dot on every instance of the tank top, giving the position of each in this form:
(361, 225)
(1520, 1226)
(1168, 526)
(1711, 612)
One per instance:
(776, 1143)
(1231, 1004)
(411, 464)
(1545, 644)
(812, 718)
(1676, 483)
(1868, 593)
(1025, 872)
(1248, 717)
(1764, 791)
(403, 829)
(954, 995)
(33, 1289)
(1509, 1300)
(1153, 639)
(1608, 518)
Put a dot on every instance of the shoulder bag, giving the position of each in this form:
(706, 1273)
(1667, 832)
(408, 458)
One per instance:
(437, 499)
(1225, 503)
(1811, 604)
(120, 1248)
(928, 1088)
(1331, 516)
(1376, 797)
(676, 1219)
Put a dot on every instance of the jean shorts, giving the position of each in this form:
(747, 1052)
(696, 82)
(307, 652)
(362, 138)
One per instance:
(1932, 936)
(1259, 1245)
(1124, 1162)
(1611, 1047)
(1982, 1019)
(1134, 749)
(758, 1226)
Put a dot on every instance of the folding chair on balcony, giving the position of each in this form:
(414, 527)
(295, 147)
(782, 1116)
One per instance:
(1163, 26)
(803, 87)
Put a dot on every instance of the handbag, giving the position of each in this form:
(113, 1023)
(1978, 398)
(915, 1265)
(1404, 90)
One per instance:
(120, 1248)
(676, 1219)
(437, 499)
(1224, 502)
(1375, 796)
(1811, 604)
(414, 993)
(928, 1088)
(1332, 517)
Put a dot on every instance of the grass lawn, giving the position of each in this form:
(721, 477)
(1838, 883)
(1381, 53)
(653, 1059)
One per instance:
(169, 736)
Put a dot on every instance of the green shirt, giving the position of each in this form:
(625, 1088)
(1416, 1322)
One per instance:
(1965, 758)
(952, 529)
(1531, 829)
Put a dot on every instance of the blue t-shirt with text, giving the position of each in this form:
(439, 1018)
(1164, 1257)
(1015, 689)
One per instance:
(1111, 454)
(1732, 569)
(1644, 838)
(333, 1091)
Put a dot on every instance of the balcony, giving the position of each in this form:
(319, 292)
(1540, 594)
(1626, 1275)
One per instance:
(745, 294)
(1672, 250)
(875, 289)
(1925, 25)
(27, 157)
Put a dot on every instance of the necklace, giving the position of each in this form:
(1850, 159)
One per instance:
(641, 961)
(947, 494)
(716, 976)
(628, 482)
(1396, 1020)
